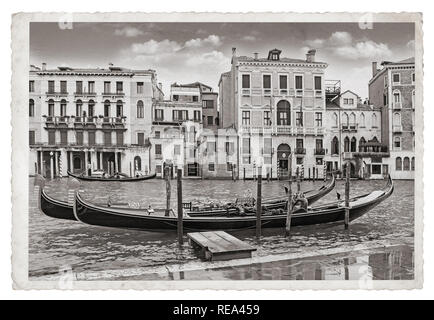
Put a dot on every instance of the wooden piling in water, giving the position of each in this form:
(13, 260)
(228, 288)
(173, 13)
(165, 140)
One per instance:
(168, 190)
(180, 208)
(347, 196)
(297, 172)
(289, 206)
(259, 204)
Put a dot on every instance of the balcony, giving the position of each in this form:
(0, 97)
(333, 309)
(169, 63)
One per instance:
(397, 105)
(282, 130)
(56, 94)
(267, 92)
(92, 122)
(245, 92)
(348, 155)
(113, 94)
(283, 92)
(300, 151)
(85, 94)
(372, 150)
(396, 128)
(350, 128)
(319, 151)
(318, 93)
(299, 92)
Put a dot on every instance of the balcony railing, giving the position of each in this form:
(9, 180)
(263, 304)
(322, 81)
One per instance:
(319, 151)
(350, 128)
(245, 92)
(396, 128)
(56, 93)
(117, 93)
(72, 120)
(348, 155)
(84, 94)
(300, 151)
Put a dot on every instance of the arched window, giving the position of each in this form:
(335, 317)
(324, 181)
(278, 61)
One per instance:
(397, 143)
(119, 109)
(91, 108)
(352, 119)
(335, 146)
(374, 120)
(362, 141)
(398, 164)
(353, 144)
(362, 120)
(51, 108)
(406, 163)
(397, 99)
(345, 119)
(283, 113)
(31, 108)
(335, 119)
(137, 164)
(107, 108)
(78, 108)
(140, 109)
(347, 144)
(63, 108)
(412, 164)
(396, 119)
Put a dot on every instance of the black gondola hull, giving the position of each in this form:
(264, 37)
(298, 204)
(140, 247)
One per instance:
(54, 208)
(121, 179)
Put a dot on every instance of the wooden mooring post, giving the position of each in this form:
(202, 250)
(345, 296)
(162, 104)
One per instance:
(180, 208)
(289, 206)
(259, 204)
(297, 172)
(347, 196)
(168, 190)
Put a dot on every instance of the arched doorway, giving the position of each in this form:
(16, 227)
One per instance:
(283, 152)
(77, 164)
(137, 164)
(352, 169)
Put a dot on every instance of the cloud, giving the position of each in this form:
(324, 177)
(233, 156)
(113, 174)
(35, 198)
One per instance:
(198, 42)
(249, 38)
(152, 47)
(129, 32)
(213, 58)
(342, 45)
(411, 44)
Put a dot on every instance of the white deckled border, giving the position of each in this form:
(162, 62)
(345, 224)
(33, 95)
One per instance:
(20, 147)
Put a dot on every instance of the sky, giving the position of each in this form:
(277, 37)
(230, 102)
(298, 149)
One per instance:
(190, 52)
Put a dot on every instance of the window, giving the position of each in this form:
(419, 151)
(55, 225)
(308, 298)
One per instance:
(157, 134)
(51, 108)
(139, 87)
(299, 143)
(299, 85)
(268, 143)
(397, 142)
(228, 166)
(396, 119)
(79, 87)
(246, 145)
(246, 118)
(211, 167)
(158, 168)
(396, 97)
(79, 137)
(299, 119)
(318, 83)
(119, 138)
(267, 118)
(31, 108)
(159, 114)
(50, 86)
(396, 78)
(318, 119)
(211, 147)
(91, 87)
(196, 115)
(119, 87)
(229, 148)
(51, 137)
(63, 108)
(107, 138)
(91, 138)
(195, 98)
(31, 137)
(137, 163)
(413, 78)
(176, 149)
(335, 120)
(374, 120)
(362, 120)
(266, 81)
(175, 97)
(107, 109)
(412, 164)
(31, 86)
(335, 146)
(180, 115)
(210, 120)
(119, 109)
(283, 83)
(91, 108)
(406, 164)
(283, 113)
(319, 161)
(158, 149)
(140, 138)
(64, 137)
(318, 144)
(209, 104)
(63, 88)
(106, 87)
(246, 81)
(347, 144)
(299, 160)
(398, 164)
(353, 144)
(140, 109)
(78, 108)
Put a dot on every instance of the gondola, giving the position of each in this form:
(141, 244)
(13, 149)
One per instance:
(63, 210)
(137, 219)
(267, 204)
(119, 177)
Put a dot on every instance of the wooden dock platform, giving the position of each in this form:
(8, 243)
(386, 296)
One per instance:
(219, 245)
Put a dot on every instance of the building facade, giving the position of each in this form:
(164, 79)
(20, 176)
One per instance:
(392, 88)
(90, 119)
(277, 106)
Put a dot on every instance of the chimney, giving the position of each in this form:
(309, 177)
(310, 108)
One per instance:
(374, 68)
(44, 66)
(256, 55)
(234, 51)
(310, 56)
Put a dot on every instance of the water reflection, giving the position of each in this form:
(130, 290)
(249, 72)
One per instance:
(54, 243)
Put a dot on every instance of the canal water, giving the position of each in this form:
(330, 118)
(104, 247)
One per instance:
(57, 244)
